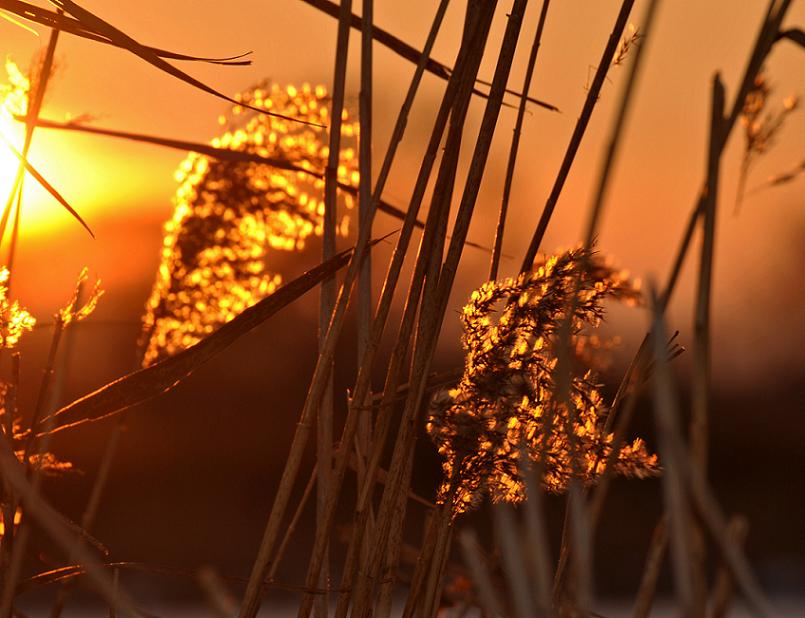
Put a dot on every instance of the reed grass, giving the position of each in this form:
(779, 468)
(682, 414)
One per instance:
(521, 419)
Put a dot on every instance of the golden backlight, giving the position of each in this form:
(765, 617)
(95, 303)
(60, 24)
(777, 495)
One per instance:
(13, 100)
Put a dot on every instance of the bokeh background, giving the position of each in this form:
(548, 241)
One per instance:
(197, 468)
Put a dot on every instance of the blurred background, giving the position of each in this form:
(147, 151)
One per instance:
(195, 474)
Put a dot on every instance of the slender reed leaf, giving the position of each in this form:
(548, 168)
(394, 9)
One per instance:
(120, 39)
(72, 26)
(47, 186)
(152, 381)
(412, 54)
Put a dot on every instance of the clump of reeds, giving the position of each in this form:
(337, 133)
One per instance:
(506, 403)
(230, 213)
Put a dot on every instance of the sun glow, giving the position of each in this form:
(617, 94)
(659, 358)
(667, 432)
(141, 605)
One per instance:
(13, 100)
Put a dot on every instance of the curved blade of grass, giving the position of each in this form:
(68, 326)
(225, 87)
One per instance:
(73, 26)
(121, 39)
(222, 154)
(50, 189)
(159, 378)
(795, 35)
(410, 53)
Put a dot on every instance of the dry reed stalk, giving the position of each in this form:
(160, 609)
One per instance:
(539, 561)
(429, 563)
(314, 393)
(413, 55)
(94, 501)
(480, 574)
(518, 125)
(608, 160)
(578, 133)
(60, 530)
(770, 25)
(152, 381)
(32, 114)
(106, 32)
(616, 132)
(700, 405)
(684, 479)
(57, 20)
(390, 565)
(445, 182)
(428, 541)
(651, 570)
(289, 531)
(434, 304)
(36, 446)
(701, 349)
(359, 394)
(235, 156)
(737, 529)
(436, 603)
(324, 424)
(9, 498)
(514, 560)
(218, 597)
(363, 380)
(364, 301)
(472, 46)
(765, 39)
(733, 557)
(365, 311)
(674, 490)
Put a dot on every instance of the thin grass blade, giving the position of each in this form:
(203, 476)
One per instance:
(159, 378)
(48, 187)
(121, 39)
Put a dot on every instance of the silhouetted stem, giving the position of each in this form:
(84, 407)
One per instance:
(58, 529)
(674, 490)
(412, 54)
(9, 499)
(34, 108)
(286, 539)
(651, 570)
(365, 312)
(518, 125)
(737, 529)
(480, 573)
(578, 133)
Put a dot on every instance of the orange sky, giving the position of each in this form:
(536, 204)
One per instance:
(125, 190)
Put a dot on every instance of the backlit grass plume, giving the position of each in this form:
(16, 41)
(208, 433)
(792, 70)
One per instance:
(229, 214)
(14, 319)
(761, 126)
(505, 399)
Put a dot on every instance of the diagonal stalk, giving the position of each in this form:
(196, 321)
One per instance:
(433, 309)
(518, 125)
(578, 133)
(262, 563)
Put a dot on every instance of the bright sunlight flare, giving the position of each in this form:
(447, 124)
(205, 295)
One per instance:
(13, 100)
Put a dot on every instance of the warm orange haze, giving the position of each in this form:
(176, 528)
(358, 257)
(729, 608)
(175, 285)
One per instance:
(247, 414)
